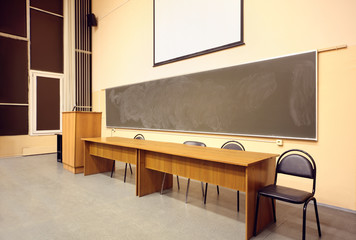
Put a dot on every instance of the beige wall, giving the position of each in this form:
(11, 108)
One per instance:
(123, 54)
(27, 145)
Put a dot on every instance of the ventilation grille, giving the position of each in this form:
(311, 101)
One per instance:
(83, 56)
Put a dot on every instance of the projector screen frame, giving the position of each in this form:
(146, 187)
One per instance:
(221, 44)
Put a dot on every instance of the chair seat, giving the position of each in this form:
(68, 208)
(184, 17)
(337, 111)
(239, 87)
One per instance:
(285, 194)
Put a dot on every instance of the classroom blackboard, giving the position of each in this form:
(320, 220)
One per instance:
(269, 98)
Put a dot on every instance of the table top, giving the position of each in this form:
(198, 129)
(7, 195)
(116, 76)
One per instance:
(227, 156)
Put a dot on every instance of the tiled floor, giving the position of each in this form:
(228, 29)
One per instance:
(41, 200)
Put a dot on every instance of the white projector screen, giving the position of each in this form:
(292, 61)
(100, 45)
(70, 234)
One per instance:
(188, 28)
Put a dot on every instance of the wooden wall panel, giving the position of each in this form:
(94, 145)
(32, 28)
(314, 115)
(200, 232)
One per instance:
(48, 103)
(13, 17)
(54, 6)
(13, 71)
(13, 120)
(46, 42)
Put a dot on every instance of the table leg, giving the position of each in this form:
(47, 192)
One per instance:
(257, 176)
(149, 181)
(94, 164)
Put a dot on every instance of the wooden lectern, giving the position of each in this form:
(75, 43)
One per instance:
(77, 125)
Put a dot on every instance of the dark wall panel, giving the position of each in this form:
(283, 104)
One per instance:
(13, 120)
(13, 17)
(48, 103)
(271, 98)
(54, 6)
(46, 42)
(13, 71)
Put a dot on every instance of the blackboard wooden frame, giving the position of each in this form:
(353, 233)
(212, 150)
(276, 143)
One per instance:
(274, 98)
(221, 43)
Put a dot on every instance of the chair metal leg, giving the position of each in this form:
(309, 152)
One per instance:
(317, 216)
(130, 168)
(202, 189)
(274, 210)
(125, 172)
(178, 182)
(113, 167)
(164, 178)
(304, 217)
(256, 214)
(238, 201)
(217, 189)
(206, 192)
(186, 194)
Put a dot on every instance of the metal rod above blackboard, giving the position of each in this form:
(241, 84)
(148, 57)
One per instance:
(332, 48)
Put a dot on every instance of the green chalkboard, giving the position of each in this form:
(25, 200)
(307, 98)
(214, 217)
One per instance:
(269, 98)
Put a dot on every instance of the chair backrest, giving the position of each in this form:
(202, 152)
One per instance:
(298, 163)
(139, 136)
(195, 143)
(234, 145)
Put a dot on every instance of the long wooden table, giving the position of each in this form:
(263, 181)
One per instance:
(239, 170)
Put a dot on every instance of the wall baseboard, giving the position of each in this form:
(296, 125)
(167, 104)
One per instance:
(337, 208)
(38, 150)
(325, 205)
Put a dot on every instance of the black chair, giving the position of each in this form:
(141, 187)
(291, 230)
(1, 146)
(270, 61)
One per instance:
(195, 143)
(233, 145)
(138, 136)
(296, 163)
